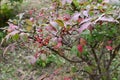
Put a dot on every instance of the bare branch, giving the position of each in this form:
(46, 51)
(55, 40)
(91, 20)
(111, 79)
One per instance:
(113, 56)
(96, 58)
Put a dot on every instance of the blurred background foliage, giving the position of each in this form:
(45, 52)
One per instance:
(12, 7)
(8, 10)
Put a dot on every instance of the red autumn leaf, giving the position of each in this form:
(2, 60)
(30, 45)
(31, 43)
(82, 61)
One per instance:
(38, 39)
(37, 55)
(59, 44)
(39, 30)
(46, 41)
(41, 13)
(40, 45)
(90, 28)
(30, 12)
(66, 17)
(67, 78)
(109, 48)
(80, 48)
(59, 39)
(80, 20)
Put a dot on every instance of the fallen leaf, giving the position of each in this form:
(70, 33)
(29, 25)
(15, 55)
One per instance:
(59, 44)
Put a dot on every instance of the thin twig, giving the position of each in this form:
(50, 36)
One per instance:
(96, 59)
(113, 56)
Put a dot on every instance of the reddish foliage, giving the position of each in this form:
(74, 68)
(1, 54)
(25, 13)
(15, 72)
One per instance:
(80, 48)
(67, 78)
(80, 20)
(83, 41)
(38, 39)
(109, 48)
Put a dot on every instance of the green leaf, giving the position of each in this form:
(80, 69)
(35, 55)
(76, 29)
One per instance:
(1, 51)
(29, 28)
(100, 1)
(74, 50)
(24, 38)
(15, 37)
(60, 22)
(114, 79)
(55, 59)
(90, 0)
(43, 64)
(28, 22)
(85, 53)
(86, 32)
(88, 69)
(76, 3)
(1, 35)
(74, 69)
